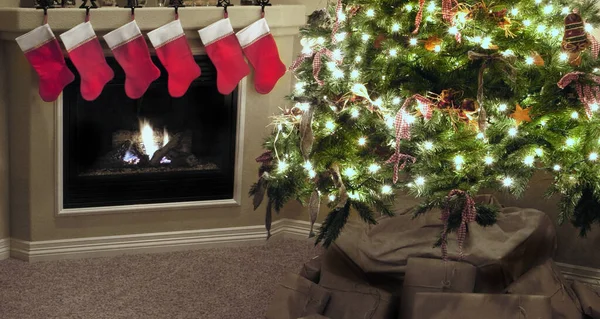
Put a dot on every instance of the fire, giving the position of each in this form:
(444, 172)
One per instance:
(148, 139)
(130, 158)
(165, 137)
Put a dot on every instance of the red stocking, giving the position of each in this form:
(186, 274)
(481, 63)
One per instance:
(131, 51)
(174, 53)
(261, 50)
(86, 53)
(226, 54)
(45, 56)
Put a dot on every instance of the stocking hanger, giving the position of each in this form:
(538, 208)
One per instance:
(263, 4)
(224, 4)
(45, 5)
(132, 4)
(176, 4)
(87, 8)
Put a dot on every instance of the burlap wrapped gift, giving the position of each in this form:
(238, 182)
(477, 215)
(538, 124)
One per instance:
(312, 269)
(351, 299)
(546, 280)
(480, 306)
(519, 241)
(434, 275)
(297, 297)
(589, 299)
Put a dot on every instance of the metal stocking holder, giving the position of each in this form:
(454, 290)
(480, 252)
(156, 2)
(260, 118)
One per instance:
(176, 4)
(224, 4)
(87, 8)
(132, 4)
(263, 4)
(45, 5)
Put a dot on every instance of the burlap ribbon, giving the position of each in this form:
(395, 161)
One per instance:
(595, 45)
(317, 64)
(402, 126)
(587, 94)
(488, 59)
(468, 215)
(447, 15)
(336, 25)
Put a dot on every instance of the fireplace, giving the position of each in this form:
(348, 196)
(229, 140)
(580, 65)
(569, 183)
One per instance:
(158, 149)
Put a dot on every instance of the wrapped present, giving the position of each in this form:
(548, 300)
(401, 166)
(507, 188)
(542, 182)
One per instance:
(351, 299)
(434, 275)
(296, 297)
(589, 299)
(314, 317)
(546, 280)
(477, 306)
(312, 269)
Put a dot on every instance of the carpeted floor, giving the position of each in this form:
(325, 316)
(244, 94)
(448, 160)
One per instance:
(235, 283)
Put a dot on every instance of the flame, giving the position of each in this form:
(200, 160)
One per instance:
(130, 158)
(165, 137)
(147, 134)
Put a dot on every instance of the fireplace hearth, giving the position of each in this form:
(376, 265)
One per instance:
(158, 149)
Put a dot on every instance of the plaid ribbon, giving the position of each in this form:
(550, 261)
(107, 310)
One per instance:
(468, 215)
(419, 17)
(336, 26)
(403, 131)
(317, 64)
(587, 94)
(595, 45)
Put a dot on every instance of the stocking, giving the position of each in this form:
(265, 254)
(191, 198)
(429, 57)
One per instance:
(44, 54)
(86, 54)
(174, 53)
(260, 49)
(131, 51)
(226, 54)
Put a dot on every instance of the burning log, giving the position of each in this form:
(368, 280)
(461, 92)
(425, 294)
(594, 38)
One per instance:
(174, 143)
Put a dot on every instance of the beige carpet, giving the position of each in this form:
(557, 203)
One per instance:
(211, 283)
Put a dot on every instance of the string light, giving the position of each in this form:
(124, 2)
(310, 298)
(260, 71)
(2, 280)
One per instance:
(459, 161)
(390, 122)
(565, 10)
(408, 7)
(543, 123)
(514, 11)
(538, 1)
(342, 16)
(395, 27)
(300, 87)
(374, 168)
(431, 6)
(488, 160)
(282, 166)
(393, 52)
(539, 152)
(593, 157)
(358, 59)
(548, 9)
(330, 125)
(365, 37)
(556, 167)
(320, 40)
(507, 182)
(554, 32)
(312, 174)
(354, 195)
(354, 113)
(340, 36)
(529, 60)
(386, 189)
(541, 28)
(512, 132)
(570, 142)
(396, 101)
(337, 54)
(354, 74)
(508, 52)
(362, 141)
(563, 57)
(502, 107)
(420, 181)
(527, 22)
(307, 165)
(350, 172)
(370, 13)
(412, 41)
(303, 106)
(337, 73)
(594, 107)
(453, 30)
(480, 136)
(428, 145)
(437, 48)
(477, 39)
(588, 27)
(486, 42)
(574, 115)
(529, 160)
(331, 197)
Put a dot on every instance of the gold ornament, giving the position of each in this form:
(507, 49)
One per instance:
(521, 115)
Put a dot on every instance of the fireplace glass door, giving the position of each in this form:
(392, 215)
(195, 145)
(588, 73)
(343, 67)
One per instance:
(157, 149)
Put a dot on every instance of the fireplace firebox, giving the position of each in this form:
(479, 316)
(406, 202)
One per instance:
(158, 149)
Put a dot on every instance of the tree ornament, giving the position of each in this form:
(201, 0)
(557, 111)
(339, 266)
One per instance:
(537, 59)
(432, 42)
(521, 115)
(575, 39)
(306, 133)
(378, 41)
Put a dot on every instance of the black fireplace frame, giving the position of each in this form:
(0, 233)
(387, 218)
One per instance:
(81, 192)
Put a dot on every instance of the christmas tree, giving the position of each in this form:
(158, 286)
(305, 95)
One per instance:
(442, 99)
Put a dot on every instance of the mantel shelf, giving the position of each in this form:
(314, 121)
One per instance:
(20, 20)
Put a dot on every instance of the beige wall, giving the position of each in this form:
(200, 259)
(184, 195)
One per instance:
(4, 218)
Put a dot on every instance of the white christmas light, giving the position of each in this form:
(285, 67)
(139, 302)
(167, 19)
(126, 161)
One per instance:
(459, 161)
(390, 122)
(543, 123)
(477, 39)
(386, 189)
(527, 22)
(588, 27)
(554, 32)
(507, 182)
(565, 10)
(563, 56)
(514, 11)
(330, 125)
(508, 52)
(538, 1)
(437, 48)
(431, 6)
(354, 74)
(282, 166)
(307, 165)
(337, 73)
(410, 119)
(395, 27)
(320, 40)
(303, 106)
(502, 107)
(541, 28)
(594, 107)
(428, 145)
(340, 36)
(370, 13)
(593, 157)
(420, 181)
(333, 108)
(362, 141)
(408, 7)
(480, 136)
(512, 132)
(354, 113)
(331, 197)
(570, 142)
(486, 42)
(488, 160)
(529, 60)
(378, 102)
(413, 41)
(548, 9)
(461, 17)
(350, 172)
(354, 195)
(574, 115)
(300, 87)
(453, 30)
(342, 16)
(312, 173)
(337, 54)
(358, 59)
(557, 167)
(529, 160)
(539, 152)
(365, 37)
(393, 52)
(374, 168)
(396, 101)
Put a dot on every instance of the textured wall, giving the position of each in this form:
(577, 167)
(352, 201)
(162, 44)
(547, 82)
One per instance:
(4, 218)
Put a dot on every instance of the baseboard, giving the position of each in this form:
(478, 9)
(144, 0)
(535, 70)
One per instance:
(154, 242)
(4, 248)
(579, 273)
